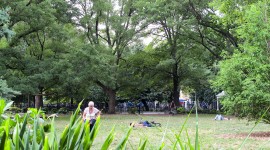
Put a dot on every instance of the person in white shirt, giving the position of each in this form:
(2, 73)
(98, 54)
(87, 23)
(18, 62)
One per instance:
(90, 114)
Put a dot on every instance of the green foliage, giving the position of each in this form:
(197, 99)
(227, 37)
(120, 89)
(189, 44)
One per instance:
(76, 135)
(4, 20)
(5, 91)
(181, 110)
(15, 109)
(244, 75)
(4, 107)
(63, 110)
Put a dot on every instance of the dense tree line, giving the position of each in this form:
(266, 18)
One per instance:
(76, 49)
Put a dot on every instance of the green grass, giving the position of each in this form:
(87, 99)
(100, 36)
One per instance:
(212, 134)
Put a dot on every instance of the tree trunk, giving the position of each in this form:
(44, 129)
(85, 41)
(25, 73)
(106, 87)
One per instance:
(39, 99)
(28, 99)
(112, 100)
(111, 93)
(176, 86)
(58, 104)
(176, 93)
(71, 102)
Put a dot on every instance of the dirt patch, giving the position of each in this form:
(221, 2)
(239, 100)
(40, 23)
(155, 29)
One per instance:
(255, 135)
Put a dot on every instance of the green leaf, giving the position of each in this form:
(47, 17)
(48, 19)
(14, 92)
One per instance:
(75, 136)
(122, 144)
(143, 146)
(16, 137)
(3, 140)
(108, 140)
(46, 145)
(7, 106)
(63, 138)
(94, 131)
(22, 130)
(161, 146)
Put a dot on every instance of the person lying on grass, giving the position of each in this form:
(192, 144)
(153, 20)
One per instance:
(145, 124)
(220, 117)
(90, 114)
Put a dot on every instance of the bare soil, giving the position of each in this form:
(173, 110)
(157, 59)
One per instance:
(255, 135)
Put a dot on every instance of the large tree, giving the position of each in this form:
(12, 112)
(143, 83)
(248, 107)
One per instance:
(176, 26)
(244, 76)
(33, 52)
(5, 32)
(110, 27)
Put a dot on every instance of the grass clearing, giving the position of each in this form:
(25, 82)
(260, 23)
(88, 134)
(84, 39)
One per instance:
(212, 134)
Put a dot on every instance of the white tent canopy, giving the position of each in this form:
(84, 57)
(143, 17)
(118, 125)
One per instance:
(219, 95)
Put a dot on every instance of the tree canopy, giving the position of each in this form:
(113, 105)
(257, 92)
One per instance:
(72, 50)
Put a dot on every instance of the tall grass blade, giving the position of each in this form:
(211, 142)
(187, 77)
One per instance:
(122, 144)
(161, 146)
(94, 131)
(23, 126)
(130, 145)
(197, 146)
(46, 144)
(8, 145)
(86, 141)
(260, 119)
(108, 140)
(165, 132)
(27, 143)
(175, 145)
(180, 142)
(34, 140)
(185, 122)
(189, 143)
(3, 140)
(63, 138)
(16, 137)
(143, 146)
(79, 143)
(53, 142)
(6, 126)
(75, 136)
(74, 116)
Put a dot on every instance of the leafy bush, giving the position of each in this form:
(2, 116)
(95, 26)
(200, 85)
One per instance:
(63, 110)
(181, 110)
(15, 109)
(132, 110)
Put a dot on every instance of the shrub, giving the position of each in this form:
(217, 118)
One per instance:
(132, 110)
(63, 110)
(15, 109)
(181, 110)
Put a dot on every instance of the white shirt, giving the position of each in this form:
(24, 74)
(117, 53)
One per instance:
(88, 115)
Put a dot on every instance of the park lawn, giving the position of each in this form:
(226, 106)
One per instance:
(212, 134)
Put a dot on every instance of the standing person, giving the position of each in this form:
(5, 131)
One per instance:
(90, 114)
(172, 106)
